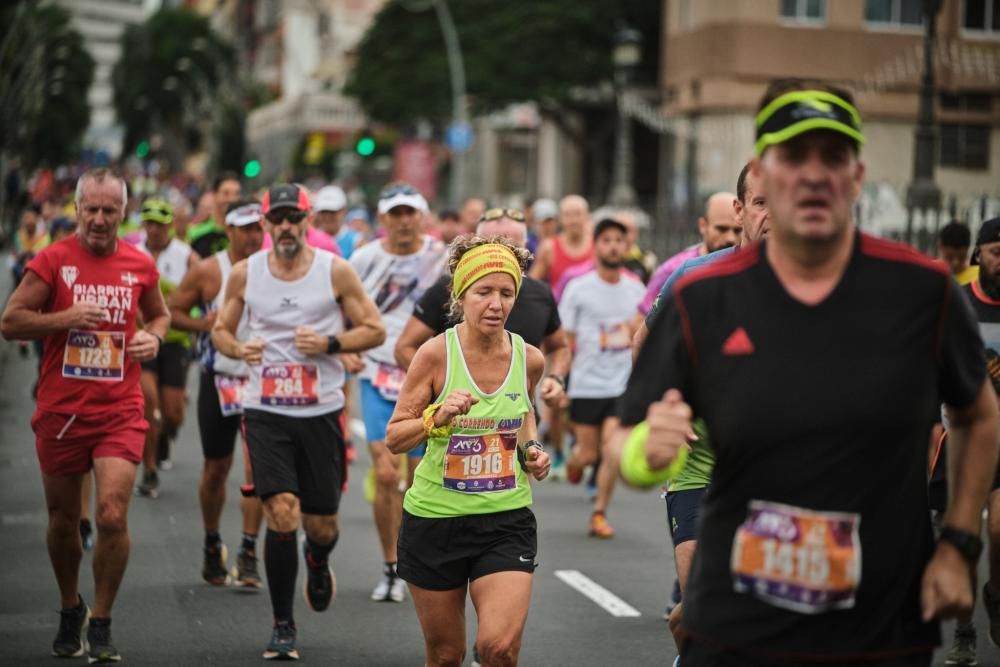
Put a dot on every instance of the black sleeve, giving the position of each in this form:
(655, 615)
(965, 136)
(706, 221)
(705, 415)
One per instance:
(554, 322)
(664, 362)
(432, 309)
(961, 356)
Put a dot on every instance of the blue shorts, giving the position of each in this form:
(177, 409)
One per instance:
(376, 411)
(683, 508)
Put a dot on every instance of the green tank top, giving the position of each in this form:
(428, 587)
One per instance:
(697, 472)
(475, 470)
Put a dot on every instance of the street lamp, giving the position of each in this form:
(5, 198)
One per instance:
(923, 193)
(625, 56)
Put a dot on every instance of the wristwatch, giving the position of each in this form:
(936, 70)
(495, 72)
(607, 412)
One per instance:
(332, 345)
(967, 544)
(558, 378)
(522, 450)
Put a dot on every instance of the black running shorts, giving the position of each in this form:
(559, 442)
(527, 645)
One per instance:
(592, 411)
(170, 365)
(682, 513)
(704, 655)
(300, 455)
(444, 554)
(218, 433)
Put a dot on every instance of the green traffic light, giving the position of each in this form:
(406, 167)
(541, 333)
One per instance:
(252, 169)
(142, 150)
(365, 146)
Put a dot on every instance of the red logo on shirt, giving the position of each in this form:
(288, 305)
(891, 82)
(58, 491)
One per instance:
(738, 344)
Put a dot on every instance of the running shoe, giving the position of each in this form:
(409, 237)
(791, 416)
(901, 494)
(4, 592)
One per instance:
(475, 656)
(350, 452)
(282, 644)
(558, 470)
(992, 603)
(99, 637)
(70, 641)
(150, 486)
(86, 534)
(165, 464)
(214, 569)
(574, 473)
(320, 585)
(244, 574)
(963, 648)
(390, 588)
(599, 526)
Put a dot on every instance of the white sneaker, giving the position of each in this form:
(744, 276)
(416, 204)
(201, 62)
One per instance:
(390, 588)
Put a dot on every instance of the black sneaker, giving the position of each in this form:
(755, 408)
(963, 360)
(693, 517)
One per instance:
(244, 574)
(99, 638)
(70, 642)
(320, 586)
(992, 603)
(282, 644)
(214, 569)
(150, 486)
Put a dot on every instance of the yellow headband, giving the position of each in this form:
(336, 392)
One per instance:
(483, 260)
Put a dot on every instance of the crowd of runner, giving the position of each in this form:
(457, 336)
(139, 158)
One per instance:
(809, 397)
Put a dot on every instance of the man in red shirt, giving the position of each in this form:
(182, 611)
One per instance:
(83, 295)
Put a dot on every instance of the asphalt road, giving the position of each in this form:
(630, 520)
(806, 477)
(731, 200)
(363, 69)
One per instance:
(166, 615)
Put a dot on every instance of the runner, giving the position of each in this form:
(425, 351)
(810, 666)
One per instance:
(164, 378)
(573, 244)
(297, 299)
(209, 237)
(953, 244)
(719, 229)
(798, 439)
(467, 526)
(83, 295)
(29, 240)
(598, 311)
(534, 317)
(469, 213)
(220, 391)
(330, 206)
(984, 294)
(395, 271)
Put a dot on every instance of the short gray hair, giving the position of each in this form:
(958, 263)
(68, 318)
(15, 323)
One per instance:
(99, 175)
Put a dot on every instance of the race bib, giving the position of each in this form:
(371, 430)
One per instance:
(94, 355)
(615, 337)
(230, 389)
(481, 463)
(389, 381)
(289, 384)
(798, 559)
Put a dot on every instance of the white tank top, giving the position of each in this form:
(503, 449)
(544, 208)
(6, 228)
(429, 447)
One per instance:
(288, 382)
(221, 363)
(172, 262)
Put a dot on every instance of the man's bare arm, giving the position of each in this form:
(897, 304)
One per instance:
(415, 334)
(367, 329)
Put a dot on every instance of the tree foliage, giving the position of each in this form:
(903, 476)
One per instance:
(171, 68)
(45, 73)
(512, 51)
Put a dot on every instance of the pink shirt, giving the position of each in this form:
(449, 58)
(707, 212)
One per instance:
(317, 238)
(663, 272)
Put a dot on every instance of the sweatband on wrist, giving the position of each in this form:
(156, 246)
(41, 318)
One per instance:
(634, 467)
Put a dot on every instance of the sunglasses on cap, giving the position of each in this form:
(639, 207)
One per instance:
(291, 215)
(497, 213)
(395, 190)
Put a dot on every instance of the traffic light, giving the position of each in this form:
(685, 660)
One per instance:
(142, 150)
(365, 145)
(251, 169)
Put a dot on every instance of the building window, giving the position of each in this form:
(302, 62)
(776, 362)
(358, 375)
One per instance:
(965, 146)
(981, 16)
(967, 102)
(804, 11)
(893, 12)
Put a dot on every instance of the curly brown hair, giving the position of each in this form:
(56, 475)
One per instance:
(462, 245)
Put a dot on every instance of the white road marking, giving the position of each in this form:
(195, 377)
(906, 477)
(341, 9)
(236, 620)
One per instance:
(600, 595)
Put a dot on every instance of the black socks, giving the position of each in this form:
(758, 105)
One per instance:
(281, 562)
(317, 554)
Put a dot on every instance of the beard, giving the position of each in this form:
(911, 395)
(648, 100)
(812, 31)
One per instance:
(285, 250)
(611, 263)
(989, 283)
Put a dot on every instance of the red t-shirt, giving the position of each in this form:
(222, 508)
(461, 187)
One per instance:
(87, 371)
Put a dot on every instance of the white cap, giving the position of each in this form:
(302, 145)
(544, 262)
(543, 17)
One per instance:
(414, 200)
(245, 215)
(543, 209)
(329, 198)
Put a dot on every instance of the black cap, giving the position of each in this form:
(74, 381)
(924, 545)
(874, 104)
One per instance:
(609, 223)
(286, 195)
(989, 232)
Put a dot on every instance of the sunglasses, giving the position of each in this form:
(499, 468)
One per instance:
(395, 190)
(292, 216)
(497, 213)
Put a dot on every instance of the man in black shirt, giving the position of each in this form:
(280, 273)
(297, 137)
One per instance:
(817, 359)
(535, 316)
